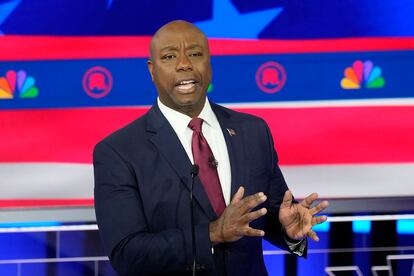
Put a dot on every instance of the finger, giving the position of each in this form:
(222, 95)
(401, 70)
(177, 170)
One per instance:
(252, 201)
(306, 226)
(307, 201)
(318, 220)
(287, 199)
(251, 232)
(254, 215)
(313, 236)
(238, 195)
(318, 208)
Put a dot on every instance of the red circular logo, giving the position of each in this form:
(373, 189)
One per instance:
(271, 77)
(97, 82)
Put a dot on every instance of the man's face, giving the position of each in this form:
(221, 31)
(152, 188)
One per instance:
(180, 67)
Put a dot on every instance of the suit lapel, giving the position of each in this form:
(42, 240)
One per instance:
(162, 135)
(233, 134)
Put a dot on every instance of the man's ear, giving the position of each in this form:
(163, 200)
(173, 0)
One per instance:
(150, 68)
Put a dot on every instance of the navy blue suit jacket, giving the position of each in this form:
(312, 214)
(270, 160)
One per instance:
(142, 184)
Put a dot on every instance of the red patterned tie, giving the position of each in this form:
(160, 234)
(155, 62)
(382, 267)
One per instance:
(203, 157)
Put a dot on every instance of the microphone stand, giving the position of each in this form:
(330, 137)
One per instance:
(194, 173)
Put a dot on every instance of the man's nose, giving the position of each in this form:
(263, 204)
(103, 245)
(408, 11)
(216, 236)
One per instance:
(184, 63)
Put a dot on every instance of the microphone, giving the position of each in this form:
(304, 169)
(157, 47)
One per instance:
(213, 162)
(194, 170)
(194, 173)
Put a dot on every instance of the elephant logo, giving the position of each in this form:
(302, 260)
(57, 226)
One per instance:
(97, 82)
(271, 77)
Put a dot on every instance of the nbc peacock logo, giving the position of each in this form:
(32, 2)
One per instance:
(362, 74)
(18, 84)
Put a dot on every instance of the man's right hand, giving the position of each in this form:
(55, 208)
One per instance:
(233, 224)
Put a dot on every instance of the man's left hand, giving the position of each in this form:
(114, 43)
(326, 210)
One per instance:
(298, 219)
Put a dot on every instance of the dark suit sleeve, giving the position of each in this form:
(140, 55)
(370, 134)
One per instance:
(277, 189)
(132, 248)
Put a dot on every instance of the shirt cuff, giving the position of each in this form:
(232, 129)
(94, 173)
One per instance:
(297, 247)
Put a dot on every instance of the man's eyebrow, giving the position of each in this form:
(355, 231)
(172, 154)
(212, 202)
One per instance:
(192, 46)
(169, 48)
(174, 48)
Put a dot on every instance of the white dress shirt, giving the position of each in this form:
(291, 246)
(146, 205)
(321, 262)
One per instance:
(212, 132)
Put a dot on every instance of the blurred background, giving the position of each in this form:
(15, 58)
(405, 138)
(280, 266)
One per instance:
(333, 79)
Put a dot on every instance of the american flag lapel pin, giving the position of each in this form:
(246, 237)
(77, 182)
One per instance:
(231, 131)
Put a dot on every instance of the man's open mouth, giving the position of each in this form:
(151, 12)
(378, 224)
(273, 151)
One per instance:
(186, 84)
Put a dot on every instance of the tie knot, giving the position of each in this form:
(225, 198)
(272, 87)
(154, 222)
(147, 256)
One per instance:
(195, 124)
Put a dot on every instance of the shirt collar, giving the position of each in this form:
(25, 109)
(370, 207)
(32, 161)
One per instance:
(180, 121)
(208, 115)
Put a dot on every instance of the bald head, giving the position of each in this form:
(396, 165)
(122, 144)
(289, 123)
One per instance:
(180, 66)
(175, 28)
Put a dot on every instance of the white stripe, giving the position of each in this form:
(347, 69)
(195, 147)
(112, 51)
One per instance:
(401, 257)
(380, 268)
(55, 260)
(62, 228)
(56, 180)
(49, 214)
(291, 104)
(325, 103)
(45, 180)
(370, 217)
(351, 181)
(341, 268)
(343, 250)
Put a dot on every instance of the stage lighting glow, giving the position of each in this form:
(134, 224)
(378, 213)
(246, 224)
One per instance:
(405, 226)
(323, 227)
(361, 226)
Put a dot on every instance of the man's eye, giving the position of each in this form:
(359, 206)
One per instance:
(196, 54)
(168, 57)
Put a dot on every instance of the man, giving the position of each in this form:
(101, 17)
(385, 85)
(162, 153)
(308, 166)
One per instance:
(143, 177)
